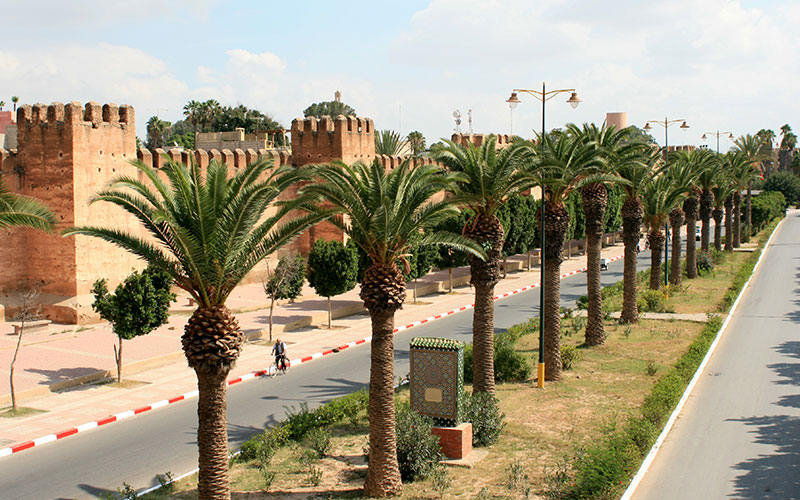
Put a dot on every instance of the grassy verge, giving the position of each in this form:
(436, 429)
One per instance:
(583, 437)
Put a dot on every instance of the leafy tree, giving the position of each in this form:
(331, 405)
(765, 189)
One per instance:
(636, 134)
(450, 257)
(384, 212)
(29, 310)
(787, 183)
(285, 282)
(15, 100)
(138, 306)
(208, 230)
(2, 103)
(329, 108)
(332, 269)
(388, 142)
(421, 260)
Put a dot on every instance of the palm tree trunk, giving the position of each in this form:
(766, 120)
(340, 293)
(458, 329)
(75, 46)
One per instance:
(595, 333)
(675, 270)
(212, 437)
(483, 340)
(748, 213)
(718, 228)
(737, 220)
(271, 309)
(632, 214)
(691, 247)
(383, 474)
(552, 318)
(729, 224)
(676, 220)
(656, 239)
(706, 205)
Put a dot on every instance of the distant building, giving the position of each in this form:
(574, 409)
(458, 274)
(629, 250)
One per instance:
(618, 119)
(239, 140)
(8, 130)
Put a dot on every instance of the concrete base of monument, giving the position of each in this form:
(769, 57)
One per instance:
(456, 442)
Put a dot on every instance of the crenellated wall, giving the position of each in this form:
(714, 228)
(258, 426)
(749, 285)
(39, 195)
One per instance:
(320, 140)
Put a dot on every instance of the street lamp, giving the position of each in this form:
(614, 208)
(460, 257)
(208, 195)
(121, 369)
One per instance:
(667, 124)
(717, 134)
(543, 96)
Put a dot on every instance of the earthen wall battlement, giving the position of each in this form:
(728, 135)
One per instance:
(237, 158)
(319, 140)
(503, 140)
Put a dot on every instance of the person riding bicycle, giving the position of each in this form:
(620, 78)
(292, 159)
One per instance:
(279, 351)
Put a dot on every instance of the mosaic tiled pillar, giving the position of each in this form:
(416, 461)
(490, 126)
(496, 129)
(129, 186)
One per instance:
(437, 379)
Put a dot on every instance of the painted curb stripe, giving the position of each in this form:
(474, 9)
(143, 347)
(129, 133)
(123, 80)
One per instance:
(248, 376)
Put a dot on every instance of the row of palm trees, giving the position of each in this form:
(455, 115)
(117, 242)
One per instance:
(201, 112)
(209, 229)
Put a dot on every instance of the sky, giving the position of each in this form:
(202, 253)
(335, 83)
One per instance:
(722, 65)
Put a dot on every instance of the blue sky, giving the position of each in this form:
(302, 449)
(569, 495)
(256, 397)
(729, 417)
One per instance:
(730, 65)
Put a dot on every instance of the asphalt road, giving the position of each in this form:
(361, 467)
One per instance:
(135, 450)
(739, 433)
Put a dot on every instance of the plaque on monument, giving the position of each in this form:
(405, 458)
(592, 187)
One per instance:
(437, 379)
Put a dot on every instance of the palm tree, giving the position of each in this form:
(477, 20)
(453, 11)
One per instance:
(491, 177)
(729, 223)
(684, 176)
(15, 100)
(2, 103)
(561, 164)
(723, 191)
(594, 200)
(16, 210)
(208, 231)
(384, 213)
(752, 148)
(743, 172)
(660, 197)
(388, 142)
(417, 142)
(208, 112)
(709, 167)
(192, 111)
(637, 165)
(705, 165)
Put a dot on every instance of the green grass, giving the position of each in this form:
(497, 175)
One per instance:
(20, 412)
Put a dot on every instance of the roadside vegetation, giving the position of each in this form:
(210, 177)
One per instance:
(580, 438)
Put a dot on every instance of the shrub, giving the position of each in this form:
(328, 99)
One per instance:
(569, 356)
(418, 451)
(767, 206)
(483, 411)
(582, 302)
(652, 301)
(602, 469)
(509, 365)
(705, 264)
(787, 183)
(319, 440)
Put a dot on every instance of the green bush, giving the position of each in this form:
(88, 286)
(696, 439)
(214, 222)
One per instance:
(705, 264)
(509, 365)
(483, 411)
(319, 440)
(765, 207)
(786, 183)
(652, 301)
(418, 451)
(582, 302)
(569, 356)
(604, 467)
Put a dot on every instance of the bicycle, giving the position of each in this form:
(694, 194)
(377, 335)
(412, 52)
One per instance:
(274, 368)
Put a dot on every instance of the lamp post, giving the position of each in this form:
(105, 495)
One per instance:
(717, 134)
(543, 96)
(667, 124)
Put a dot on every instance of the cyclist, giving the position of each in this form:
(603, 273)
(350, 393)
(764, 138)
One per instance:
(279, 351)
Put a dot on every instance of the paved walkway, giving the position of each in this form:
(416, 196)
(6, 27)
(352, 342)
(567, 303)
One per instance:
(53, 363)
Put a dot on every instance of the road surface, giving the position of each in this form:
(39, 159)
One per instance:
(739, 434)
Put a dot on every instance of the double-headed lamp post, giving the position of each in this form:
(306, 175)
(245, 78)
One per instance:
(543, 96)
(667, 124)
(717, 134)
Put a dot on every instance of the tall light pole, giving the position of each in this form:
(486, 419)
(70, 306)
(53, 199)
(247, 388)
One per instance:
(717, 133)
(543, 96)
(667, 124)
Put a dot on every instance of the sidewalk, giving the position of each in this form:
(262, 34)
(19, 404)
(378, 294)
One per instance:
(66, 357)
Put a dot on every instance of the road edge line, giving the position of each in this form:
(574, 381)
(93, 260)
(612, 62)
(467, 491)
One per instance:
(648, 461)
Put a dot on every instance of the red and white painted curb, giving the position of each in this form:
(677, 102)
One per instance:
(248, 376)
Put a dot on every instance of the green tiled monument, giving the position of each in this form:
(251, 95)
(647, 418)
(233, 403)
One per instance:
(437, 379)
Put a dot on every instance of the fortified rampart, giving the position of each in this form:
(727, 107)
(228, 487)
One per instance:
(67, 153)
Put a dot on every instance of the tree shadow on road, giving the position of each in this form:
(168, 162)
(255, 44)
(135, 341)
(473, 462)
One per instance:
(777, 475)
